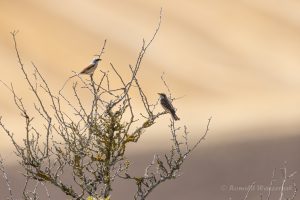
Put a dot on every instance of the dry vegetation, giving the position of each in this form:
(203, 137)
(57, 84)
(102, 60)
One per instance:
(90, 143)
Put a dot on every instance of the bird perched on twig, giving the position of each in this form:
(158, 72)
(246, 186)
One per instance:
(167, 105)
(89, 70)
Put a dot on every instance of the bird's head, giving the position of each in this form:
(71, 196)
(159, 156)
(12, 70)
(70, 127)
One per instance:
(162, 95)
(96, 60)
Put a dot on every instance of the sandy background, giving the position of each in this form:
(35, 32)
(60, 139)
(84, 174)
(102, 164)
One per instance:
(235, 60)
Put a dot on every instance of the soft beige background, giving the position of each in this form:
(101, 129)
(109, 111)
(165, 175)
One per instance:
(235, 60)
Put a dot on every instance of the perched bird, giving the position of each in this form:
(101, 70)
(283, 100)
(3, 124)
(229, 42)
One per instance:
(89, 70)
(167, 105)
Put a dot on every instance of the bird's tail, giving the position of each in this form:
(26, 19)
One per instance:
(175, 117)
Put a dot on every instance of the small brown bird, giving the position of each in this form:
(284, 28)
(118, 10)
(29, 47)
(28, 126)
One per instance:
(167, 105)
(89, 70)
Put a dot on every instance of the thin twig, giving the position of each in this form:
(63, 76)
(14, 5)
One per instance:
(249, 190)
(4, 174)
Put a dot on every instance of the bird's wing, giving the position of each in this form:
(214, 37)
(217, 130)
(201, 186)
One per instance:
(90, 66)
(166, 104)
(170, 102)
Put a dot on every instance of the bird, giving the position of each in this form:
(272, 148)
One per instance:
(89, 70)
(167, 105)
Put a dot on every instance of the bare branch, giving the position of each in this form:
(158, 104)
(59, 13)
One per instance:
(249, 190)
(4, 174)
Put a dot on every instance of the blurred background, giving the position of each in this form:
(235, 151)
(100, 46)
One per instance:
(235, 60)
